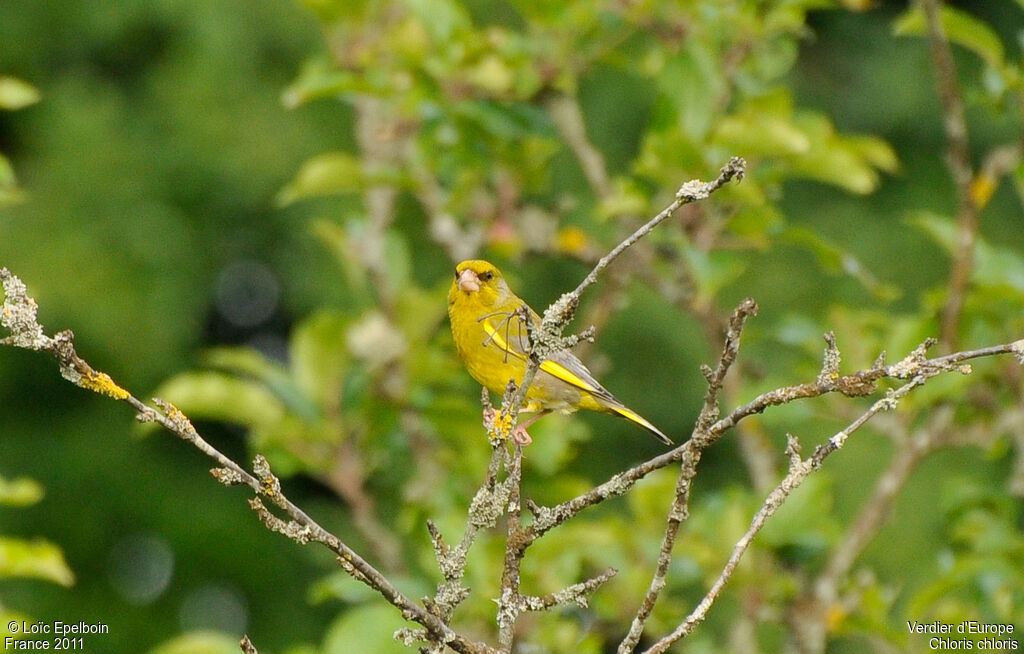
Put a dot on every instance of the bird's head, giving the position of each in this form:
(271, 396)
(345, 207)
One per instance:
(479, 281)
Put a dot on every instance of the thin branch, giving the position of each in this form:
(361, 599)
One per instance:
(543, 340)
(875, 511)
(917, 368)
(487, 506)
(546, 338)
(799, 470)
(681, 501)
(856, 384)
(246, 646)
(575, 594)
(510, 604)
(19, 316)
(689, 192)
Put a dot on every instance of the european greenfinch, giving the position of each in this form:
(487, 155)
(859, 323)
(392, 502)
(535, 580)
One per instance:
(491, 338)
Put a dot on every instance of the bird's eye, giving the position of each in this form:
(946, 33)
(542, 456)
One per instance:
(456, 273)
(486, 277)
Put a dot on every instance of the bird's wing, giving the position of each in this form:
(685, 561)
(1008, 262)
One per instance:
(507, 332)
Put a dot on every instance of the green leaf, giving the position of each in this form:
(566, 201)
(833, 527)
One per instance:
(366, 629)
(555, 438)
(847, 162)
(875, 151)
(764, 135)
(714, 270)
(444, 18)
(399, 266)
(690, 87)
(319, 356)
(340, 586)
(997, 267)
(199, 642)
(37, 559)
(626, 198)
(10, 193)
(221, 396)
(330, 173)
(20, 492)
(246, 362)
(960, 27)
(16, 94)
(939, 228)
(496, 119)
(353, 11)
(1018, 178)
(7, 177)
(319, 79)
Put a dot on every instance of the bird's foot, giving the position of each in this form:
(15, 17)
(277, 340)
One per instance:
(520, 436)
(490, 413)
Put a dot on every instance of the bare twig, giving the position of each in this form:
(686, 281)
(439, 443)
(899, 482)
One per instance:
(799, 470)
(680, 503)
(510, 604)
(823, 592)
(19, 316)
(246, 645)
(543, 340)
(855, 384)
(487, 506)
(915, 367)
(546, 338)
(689, 192)
(575, 594)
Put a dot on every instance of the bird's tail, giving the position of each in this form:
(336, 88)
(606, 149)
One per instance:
(633, 416)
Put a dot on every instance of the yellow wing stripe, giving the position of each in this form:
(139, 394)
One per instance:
(548, 366)
(565, 375)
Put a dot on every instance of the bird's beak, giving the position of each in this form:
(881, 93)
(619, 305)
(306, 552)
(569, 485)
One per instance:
(468, 281)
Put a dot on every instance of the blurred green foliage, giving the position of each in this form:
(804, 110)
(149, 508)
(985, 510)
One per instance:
(35, 559)
(253, 209)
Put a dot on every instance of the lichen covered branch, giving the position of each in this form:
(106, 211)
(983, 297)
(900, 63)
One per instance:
(19, 316)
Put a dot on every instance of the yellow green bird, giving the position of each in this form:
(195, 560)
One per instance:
(492, 341)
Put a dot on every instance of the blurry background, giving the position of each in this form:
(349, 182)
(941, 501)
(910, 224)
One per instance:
(253, 209)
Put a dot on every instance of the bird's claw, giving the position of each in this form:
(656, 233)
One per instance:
(520, 436)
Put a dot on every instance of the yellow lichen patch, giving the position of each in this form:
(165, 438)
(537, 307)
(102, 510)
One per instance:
(500, 427)
(100, 382)
(173, 412)
(270, 489)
